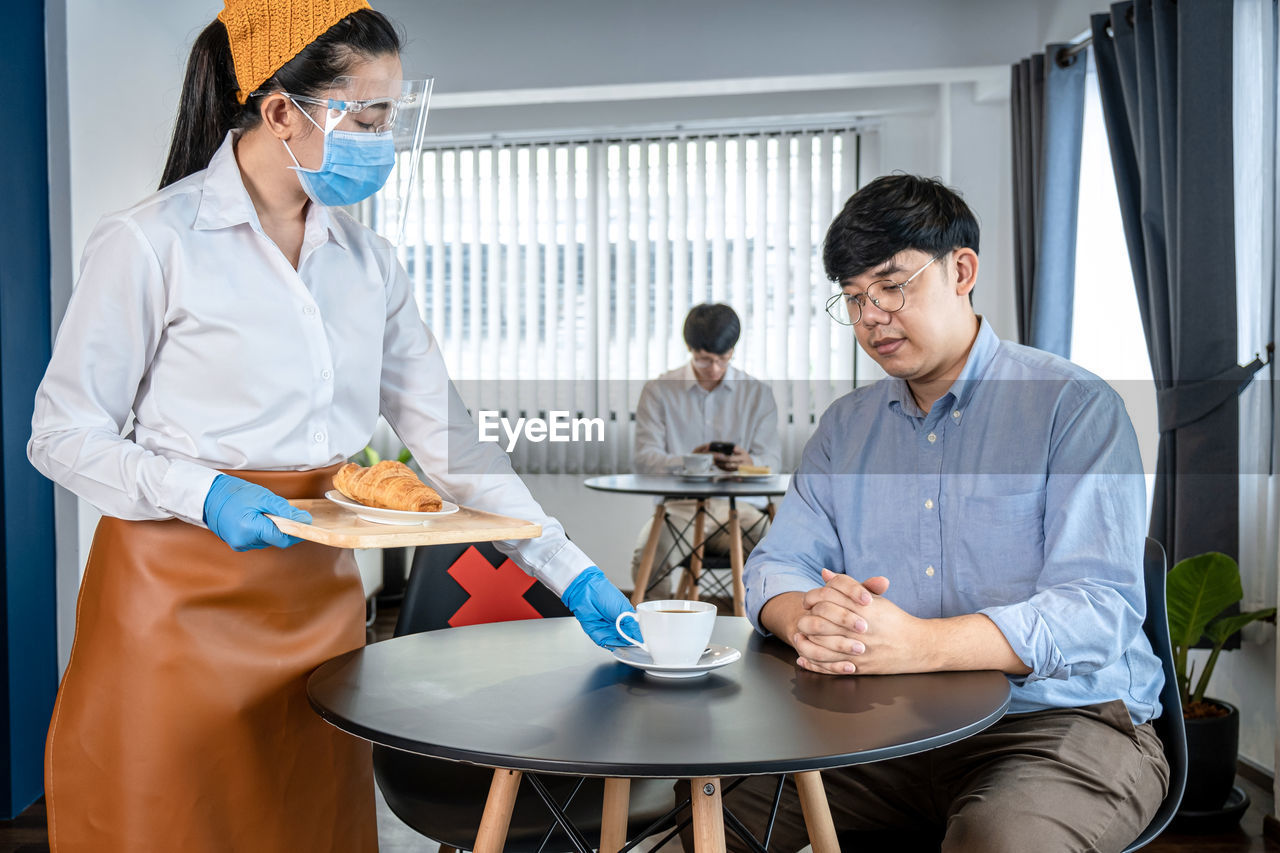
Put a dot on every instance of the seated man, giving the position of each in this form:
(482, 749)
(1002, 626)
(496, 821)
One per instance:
(685, 410)
(981, 508)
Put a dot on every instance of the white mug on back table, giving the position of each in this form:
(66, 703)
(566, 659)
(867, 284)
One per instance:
(697, 463)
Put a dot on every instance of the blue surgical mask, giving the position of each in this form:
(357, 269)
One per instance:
(355, 166)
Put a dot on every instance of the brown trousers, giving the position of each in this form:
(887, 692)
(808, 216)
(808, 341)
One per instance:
(1076, 779)
(182, 721)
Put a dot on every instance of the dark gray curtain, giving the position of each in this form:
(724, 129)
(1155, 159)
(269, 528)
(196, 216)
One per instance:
(1047, 99)
(1165, 78)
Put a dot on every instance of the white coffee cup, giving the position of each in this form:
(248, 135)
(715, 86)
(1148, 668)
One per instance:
(697, 463)
(675, 632)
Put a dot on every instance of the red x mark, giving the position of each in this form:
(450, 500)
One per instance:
(497, 594)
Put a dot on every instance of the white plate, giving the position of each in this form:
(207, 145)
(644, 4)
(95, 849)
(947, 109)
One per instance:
(697, 475)
(390, 516)
(753, 476)
(714, 657)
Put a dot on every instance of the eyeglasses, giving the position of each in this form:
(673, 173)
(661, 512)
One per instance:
(888, 296)
(370, 115)
(704, 361)
(373, 115)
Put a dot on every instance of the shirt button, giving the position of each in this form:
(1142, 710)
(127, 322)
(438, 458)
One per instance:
(956, 414)
(326, 374)
(929, 571)
(309, 310)
(319, 437)
(932, 437)
(928, 504)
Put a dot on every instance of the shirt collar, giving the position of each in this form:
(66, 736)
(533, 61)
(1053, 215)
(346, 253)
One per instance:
(225, 202)
(975, 367)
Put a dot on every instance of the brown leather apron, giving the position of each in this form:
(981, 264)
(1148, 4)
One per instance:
(182, 721)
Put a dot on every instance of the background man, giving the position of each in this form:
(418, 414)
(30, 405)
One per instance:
(683, 411)
(981, 508)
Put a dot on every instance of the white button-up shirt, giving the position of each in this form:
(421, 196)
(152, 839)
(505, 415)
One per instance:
(189, 318)
(676, 414)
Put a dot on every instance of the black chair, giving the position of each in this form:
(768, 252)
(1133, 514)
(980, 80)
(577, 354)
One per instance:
(715, 579)
(1169, 726)
(716, 576)
(453, 585)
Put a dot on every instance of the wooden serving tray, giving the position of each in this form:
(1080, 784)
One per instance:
(340, 528)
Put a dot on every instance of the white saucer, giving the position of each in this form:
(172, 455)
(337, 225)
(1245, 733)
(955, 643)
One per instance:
(714, 657)
(389, 516)
(697, 475)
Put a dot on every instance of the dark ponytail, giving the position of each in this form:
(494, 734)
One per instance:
(208, 108)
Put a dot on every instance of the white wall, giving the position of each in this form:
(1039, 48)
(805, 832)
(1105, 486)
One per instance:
(477, 45)
(980, 167)
(124, 72)
(1063, 20)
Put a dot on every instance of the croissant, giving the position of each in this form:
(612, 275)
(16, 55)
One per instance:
(387, 485)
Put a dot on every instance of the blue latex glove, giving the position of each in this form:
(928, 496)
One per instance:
(597, 604)
(234, 510)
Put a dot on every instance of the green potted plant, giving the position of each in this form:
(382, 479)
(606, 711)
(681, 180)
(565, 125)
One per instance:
(370, 457)
(1200, 590)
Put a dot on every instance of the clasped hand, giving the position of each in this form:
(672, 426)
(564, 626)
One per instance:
(848, 627)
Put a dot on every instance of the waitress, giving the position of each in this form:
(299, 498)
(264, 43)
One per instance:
(254, 335)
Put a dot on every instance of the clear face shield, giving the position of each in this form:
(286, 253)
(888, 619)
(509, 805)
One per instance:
(358, 111)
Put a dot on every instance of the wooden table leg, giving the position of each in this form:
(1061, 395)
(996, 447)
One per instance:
(817, 813)
(695, 557)
(736, 560)
(650, 550)
(613, 819)
(685, 587)
(492, 836)
(708, 816)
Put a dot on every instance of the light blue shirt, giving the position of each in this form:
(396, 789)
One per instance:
(1019, 495)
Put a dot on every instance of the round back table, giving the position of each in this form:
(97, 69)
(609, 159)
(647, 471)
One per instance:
(539, 696)
(673, 487)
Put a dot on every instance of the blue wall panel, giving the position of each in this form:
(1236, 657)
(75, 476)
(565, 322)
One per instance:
(28, 642)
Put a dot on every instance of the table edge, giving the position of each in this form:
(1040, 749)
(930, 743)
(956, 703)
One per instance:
(647, 771)
(696, 490)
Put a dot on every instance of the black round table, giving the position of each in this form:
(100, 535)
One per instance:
(539, 696)
(672, 487)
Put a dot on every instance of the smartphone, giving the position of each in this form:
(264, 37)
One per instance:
(725, 447)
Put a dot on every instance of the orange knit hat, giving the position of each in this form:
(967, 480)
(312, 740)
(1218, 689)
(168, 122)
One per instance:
(265, 34)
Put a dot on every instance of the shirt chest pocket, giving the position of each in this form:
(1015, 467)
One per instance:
(996, 547)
